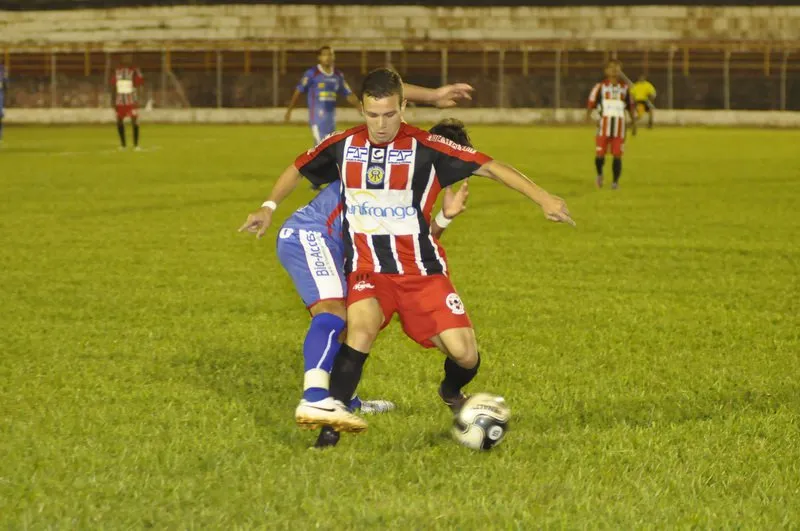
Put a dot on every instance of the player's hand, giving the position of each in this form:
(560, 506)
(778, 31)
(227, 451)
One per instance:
(634, 128)
(555, 209)
(288, 116)
(258, 222)
(449, 95)
(455, 203)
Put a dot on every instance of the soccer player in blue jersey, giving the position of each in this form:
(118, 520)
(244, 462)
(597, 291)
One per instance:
(311, 249)
(322, 84)
(3, 85)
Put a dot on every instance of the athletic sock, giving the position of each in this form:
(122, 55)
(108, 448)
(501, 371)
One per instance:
(136, 135)
(346, 373)
(617, 167)
(319, 350)
(599, 162)
(121, 131)
(456, 377)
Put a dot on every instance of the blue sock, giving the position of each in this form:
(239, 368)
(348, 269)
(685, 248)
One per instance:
(319, 351)
(355, 403)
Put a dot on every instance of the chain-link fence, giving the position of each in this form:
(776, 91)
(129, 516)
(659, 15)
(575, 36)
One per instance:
(691, 76)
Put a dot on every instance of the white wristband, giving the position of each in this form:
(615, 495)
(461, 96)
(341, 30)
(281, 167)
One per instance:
(272, 205)
(442, 220)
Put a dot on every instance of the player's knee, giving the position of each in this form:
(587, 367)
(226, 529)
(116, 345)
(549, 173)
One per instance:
(334, 307)
(362, 335)
(462, 347)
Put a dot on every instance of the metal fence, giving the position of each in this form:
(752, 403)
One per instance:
(758, 76)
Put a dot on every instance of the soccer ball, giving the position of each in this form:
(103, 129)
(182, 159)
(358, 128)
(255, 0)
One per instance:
(482, 422)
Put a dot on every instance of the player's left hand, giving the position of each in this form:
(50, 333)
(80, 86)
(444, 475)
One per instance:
(258, 222)
(555, 209)
(449, 95)
(455, 203)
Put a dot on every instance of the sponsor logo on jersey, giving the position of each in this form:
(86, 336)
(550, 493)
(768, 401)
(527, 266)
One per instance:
(400, 156)
(378, 155)
(381, 211)
(356, 154)
(450, 143)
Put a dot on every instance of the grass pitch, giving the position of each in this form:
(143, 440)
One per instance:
(151, 356)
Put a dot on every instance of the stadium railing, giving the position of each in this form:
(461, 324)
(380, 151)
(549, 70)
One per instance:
(539, 74)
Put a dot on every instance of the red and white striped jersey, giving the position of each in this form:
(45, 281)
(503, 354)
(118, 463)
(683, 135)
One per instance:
(612, 99)
(388, 191)
(125, 81)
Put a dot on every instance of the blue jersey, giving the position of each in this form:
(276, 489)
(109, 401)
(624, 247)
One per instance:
(323, 214)
(322, 90)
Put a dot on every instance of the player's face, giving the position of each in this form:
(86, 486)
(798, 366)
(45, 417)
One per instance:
(326, 58)
(383, 117)
(612, 70)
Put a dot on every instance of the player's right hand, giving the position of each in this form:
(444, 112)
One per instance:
(258, 222)
(555, 209)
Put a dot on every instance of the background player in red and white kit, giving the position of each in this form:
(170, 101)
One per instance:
(612, 98)
(391, 175)
(124, 84)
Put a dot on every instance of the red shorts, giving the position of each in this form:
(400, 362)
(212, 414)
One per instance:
(127, 111)
(427, 306)
(603, 144)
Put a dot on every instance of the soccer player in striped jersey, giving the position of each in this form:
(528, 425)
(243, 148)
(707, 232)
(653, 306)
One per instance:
(391, 174)
(125, 82)
(311, 250)
(612, 98)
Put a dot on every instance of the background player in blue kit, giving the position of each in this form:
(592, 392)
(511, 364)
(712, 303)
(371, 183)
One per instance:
(3, 86)
(311, 249)
(322, 84)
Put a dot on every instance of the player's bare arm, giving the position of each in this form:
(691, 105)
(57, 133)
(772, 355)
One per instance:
(260, 220)
(353, 100)
(292, 105)
(554, 208)
(442, 97)
(453, 204)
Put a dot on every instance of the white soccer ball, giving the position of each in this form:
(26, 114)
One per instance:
(482, 422)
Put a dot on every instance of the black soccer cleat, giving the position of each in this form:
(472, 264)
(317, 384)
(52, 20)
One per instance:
(455, 403)
(328, 437)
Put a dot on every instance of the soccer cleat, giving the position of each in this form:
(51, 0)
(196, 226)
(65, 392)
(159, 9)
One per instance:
(614, 186)
(455, 403)
(328, 437)
(137, 148)
(599, 181)
(375, 407)
(313, 415)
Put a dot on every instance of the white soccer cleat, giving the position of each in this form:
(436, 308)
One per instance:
(374, 407)
(328, 412)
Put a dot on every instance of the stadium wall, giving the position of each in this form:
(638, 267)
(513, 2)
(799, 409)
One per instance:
(421, 115)
(394, 26)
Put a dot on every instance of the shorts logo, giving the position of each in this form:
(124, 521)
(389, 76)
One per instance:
(378, 155)
(363, 285)
(285, 233)
(453, 302)
(375, 175)
(357, 154)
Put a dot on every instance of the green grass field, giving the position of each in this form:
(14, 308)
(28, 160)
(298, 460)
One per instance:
(151, 356)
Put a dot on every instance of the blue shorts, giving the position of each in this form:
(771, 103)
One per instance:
(315, 262)
(322, 128)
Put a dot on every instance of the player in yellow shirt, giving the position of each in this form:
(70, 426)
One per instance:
(644, 94)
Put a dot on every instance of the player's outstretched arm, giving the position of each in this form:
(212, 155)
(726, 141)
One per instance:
(442, 97)
(554, 208)
(260, 220)
(453, 204)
